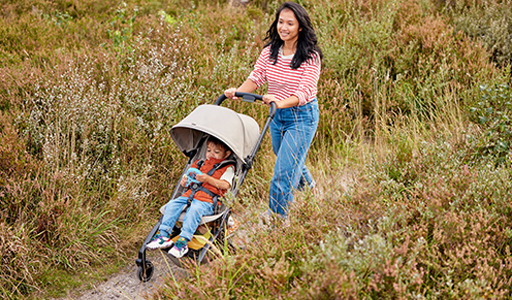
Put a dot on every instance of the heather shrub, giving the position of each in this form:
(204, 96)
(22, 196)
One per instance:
(449, 204)
(36, 30)
(386, 62)
(493, 113)
(19, 256)
(487, 22)
(98, 127)
(431, 235)
(437, 228)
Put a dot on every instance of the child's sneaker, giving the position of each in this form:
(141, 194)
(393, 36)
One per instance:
(180, 248)
(159, 242)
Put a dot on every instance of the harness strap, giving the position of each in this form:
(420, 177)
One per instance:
(194, 187)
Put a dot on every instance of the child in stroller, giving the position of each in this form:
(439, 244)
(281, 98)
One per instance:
(206, 181)
(241, 134)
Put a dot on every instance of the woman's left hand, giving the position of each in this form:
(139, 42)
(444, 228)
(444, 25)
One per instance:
(269, 98)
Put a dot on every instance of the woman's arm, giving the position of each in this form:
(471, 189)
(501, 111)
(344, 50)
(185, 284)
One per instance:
(247, 87)
(256, 79)
(285, 103)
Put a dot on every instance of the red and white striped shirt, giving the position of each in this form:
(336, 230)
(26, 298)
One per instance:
(283, 81)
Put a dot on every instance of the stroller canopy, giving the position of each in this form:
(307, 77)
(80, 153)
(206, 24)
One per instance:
(239, 132)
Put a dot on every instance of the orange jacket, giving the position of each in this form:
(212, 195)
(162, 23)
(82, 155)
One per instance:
(205, 168)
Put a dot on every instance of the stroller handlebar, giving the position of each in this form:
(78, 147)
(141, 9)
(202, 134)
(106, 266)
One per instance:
(248, 97)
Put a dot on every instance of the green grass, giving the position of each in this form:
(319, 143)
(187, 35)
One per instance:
(412, 153)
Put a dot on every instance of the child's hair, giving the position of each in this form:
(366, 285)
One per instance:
(218, 143)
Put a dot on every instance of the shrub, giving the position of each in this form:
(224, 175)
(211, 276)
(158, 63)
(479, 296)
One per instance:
(90, 138)
(494, 114)
(487, 22)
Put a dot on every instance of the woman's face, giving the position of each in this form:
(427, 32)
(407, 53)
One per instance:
(288, 26)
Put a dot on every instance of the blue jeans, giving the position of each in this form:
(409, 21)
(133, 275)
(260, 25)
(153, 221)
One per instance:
(192, 218)
(292, 131)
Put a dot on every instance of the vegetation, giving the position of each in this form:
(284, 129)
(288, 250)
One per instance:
(412, 155)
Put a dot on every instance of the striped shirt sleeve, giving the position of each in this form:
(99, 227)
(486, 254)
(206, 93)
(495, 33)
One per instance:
(259, 74)
(283, 81)
(307, 89)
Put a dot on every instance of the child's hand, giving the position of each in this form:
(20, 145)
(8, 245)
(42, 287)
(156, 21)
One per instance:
(184, 181)
(202, 177)
(220, 184)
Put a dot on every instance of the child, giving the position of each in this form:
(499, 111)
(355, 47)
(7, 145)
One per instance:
(202, 199)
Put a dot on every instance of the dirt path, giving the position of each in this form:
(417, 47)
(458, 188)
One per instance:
(126, 285)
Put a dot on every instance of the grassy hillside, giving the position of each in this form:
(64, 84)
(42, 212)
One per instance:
(412, 155)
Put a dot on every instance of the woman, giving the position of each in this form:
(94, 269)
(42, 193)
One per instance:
(290, 63)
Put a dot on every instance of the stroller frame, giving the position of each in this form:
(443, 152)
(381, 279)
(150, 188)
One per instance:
(145, 268)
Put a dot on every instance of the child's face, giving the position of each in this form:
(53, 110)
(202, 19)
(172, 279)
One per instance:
(216, 151)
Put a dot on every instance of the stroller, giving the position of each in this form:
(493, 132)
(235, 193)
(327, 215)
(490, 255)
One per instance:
(241, 134)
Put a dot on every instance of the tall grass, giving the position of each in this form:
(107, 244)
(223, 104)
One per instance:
(411, 156)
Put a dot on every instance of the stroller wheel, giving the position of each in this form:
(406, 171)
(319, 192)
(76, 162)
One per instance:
(145, 272)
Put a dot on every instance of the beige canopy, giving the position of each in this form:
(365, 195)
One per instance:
(239, 132)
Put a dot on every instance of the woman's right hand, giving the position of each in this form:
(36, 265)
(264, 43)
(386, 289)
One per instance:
(230, 93)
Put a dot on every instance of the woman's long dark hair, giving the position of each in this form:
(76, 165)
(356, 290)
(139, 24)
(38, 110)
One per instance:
(306, 42)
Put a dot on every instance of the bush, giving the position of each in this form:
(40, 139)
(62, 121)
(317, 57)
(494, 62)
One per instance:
(493, 114)
(487, 22)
